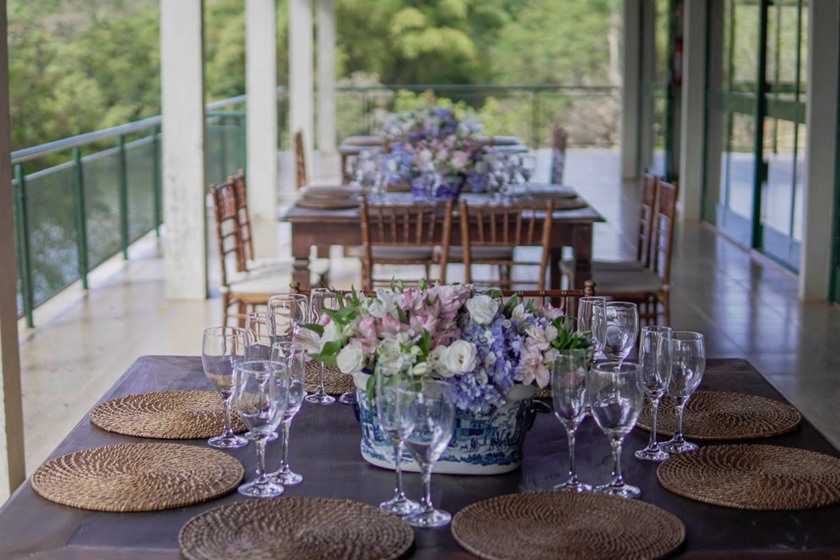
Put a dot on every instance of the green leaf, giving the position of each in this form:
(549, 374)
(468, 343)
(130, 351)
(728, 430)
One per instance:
(315, 327)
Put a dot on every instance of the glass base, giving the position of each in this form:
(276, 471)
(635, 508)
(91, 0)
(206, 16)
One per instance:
(265, 489)
(677, 447)
(620, 490)
(320, 398)
(348, 398)
(573, 486)
(655, 454)
(401, 506)
(434, 518)
(271, 436)
(286, 477)
(227, 442)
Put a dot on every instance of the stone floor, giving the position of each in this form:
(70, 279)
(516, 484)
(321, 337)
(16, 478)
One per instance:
(746, 306)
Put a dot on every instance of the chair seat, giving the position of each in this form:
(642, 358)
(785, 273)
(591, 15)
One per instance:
(568, 267)
(394, 254)
(626, 282)
(267, 263)
(456, 253)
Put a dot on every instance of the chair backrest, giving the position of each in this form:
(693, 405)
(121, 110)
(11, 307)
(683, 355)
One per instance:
(515, 225)
(228, 237)
(408, 226)
(665, 211)
(301, 179)
(564, 300)
(245, 233)
(558, 156)
(649, 186)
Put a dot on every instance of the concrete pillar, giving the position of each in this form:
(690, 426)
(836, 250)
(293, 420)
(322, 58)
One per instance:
(631, 88)
(326, 80)
(12, 468)
(261, 87)
(714, 115)
(648, 77)
(301, 84)
(693, 110)
(182, 108)
(821, 148)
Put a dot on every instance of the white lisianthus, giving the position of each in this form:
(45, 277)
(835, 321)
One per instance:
(330, 334)
(482, 309)
(518, 312)
(350, 359)
(459, 357)
(383, 304)
(390, 357)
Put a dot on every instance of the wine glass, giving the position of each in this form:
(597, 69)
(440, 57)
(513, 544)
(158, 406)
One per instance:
(428, 407)
(527, 165)
(258, 336)
(321, 300)
(592, 318)
(688, 362)
(615, 401)
(568, 391)
(655, 363)
(395, 427)
(286, 312)
(221, 349)
(295, 360)
(261, 394)
(621, 331)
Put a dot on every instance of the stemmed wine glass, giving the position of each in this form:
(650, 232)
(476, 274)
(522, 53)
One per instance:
(396, 428)
(527, 165)
(321, 299)
(286, 312)
(258, 331)
(622, 328)
(616, 402)
(688, 362)
(295, 360)
(428, 407)
(568, 391)
(221, 349)
(592, 318)
(655, 363)
(261, 393)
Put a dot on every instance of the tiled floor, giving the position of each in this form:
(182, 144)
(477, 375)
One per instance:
(746, 306)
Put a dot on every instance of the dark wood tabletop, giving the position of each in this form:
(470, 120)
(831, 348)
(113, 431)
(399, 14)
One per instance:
(325, 450)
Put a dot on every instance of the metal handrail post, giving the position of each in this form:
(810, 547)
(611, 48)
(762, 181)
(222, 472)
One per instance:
(157, 184)
(122, 176)
(81, 221)
(24, 256)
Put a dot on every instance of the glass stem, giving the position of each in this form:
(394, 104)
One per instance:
(654, 410)
(678, 436)
(227, 430)
(260, 457)
(570, 433)
(398, 468)
(426, 473)
(284, 456)
(618, 476)
(321, 389)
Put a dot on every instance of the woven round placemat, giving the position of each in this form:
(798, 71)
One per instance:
(295, 527)
(759, 477)
(143, 476)
(165, 415)
(335, 382)
(566, 525)
(717, 415)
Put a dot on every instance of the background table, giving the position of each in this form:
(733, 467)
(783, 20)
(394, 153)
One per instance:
(325, 449)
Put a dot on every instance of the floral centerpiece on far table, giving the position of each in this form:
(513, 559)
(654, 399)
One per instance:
(432, 149)
(493, 353)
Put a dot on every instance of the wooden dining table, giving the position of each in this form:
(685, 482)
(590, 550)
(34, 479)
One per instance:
(325, 227)
(324, 448)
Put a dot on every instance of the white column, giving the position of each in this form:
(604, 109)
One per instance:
(301, 85)
(326, 80)
(821, 150)
(631, 89)
(648, 62)
(182, 104)
(693, 113)
(261, 78)
(12, 468)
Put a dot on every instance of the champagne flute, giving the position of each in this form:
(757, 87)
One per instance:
(592, 318)
(395, 427)
(261, 394)
(321, 299)
(295, 360)
(568, 391)
(655, 362)
(621, 331)
(688, 362)
(286, 312)
(616, 401)
(428, 407)
(221, 349)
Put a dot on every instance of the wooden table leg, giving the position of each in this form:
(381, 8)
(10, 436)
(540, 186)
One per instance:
(582, 247)
(300, 266)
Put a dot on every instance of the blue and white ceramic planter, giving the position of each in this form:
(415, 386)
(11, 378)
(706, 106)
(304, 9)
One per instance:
(482, 444)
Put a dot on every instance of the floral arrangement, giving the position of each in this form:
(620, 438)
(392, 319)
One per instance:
(481, 345)
(430, 140)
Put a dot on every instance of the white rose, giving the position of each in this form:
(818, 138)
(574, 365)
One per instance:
(435, 361)
(350, 359)
(482, 309)
(459, 357)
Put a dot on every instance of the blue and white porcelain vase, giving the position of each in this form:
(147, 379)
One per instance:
(484, 444)
(434, 186)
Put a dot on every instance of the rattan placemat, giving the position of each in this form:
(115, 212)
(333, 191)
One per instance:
(759, 477)
(145, 476)
(335, 382)
(295, 527)
(565, 525)
(720, 415)
(165, 415)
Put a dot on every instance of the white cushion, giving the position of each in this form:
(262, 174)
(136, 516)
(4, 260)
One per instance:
(456, 253)
(568, 267)
(626, 281)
